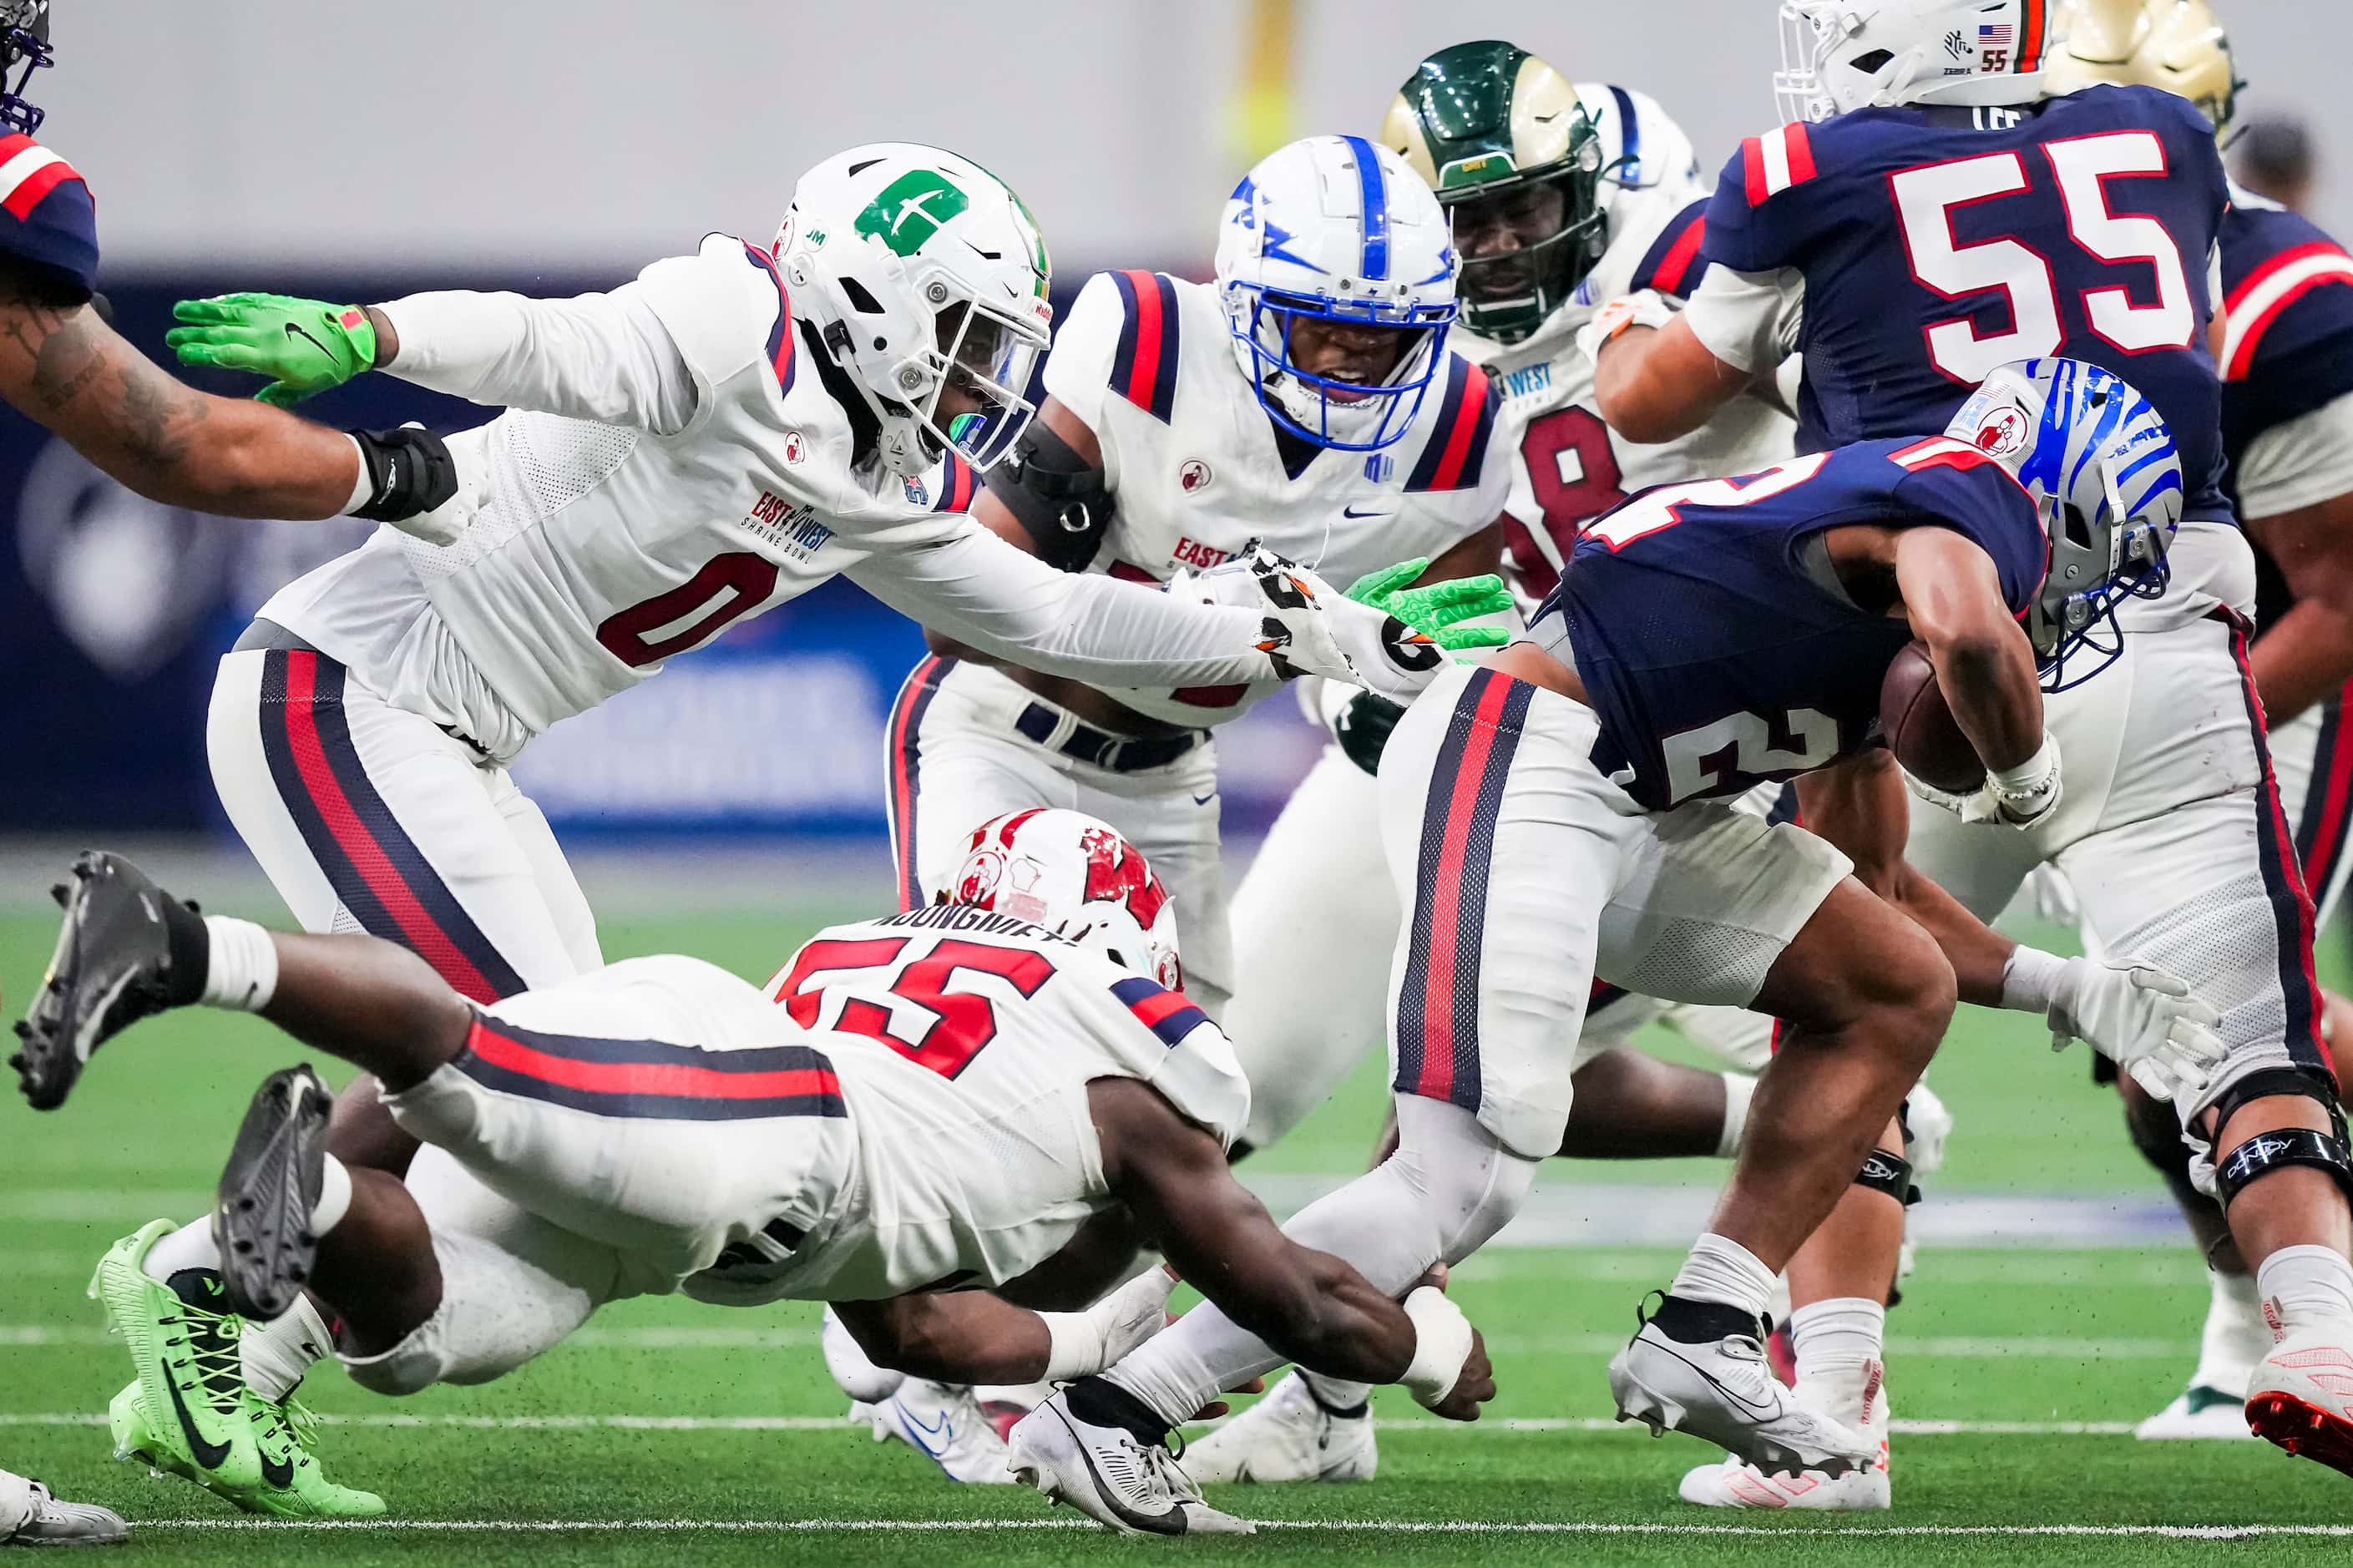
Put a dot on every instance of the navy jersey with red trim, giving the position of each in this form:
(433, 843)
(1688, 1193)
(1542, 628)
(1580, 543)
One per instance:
(2287, 348)
(1716, 642)
(48, 224)
(1936, 243)
(1679, 257)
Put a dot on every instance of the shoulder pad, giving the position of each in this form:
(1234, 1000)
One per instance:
(1165, 1012)
(2259, 297)
(1143, 365)
(1455, 449)
(50, 223)
(1776, 161)
(725, 306)
(1675, 265)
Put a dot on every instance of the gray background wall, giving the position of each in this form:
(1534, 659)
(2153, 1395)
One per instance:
(452, 132)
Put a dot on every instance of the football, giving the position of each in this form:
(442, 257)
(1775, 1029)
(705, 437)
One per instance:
(1919, 727)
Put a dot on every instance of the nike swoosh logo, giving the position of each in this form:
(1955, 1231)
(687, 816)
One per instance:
(208, 1456)
(277, 1475)
(1719, 1384)
(944, 1430)
(1352, 511)
(1205, 799)
(293, 331)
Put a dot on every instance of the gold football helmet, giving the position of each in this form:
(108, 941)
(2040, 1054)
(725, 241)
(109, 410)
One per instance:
(2176, 45)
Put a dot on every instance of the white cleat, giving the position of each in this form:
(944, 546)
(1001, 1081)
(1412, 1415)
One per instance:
(943, 1423)
(1133, 1487)
(30, 1516)
(1734, 1483)
(2301, 1396)
(2201, 1410)
(1286, 1437)
(1723, 1392)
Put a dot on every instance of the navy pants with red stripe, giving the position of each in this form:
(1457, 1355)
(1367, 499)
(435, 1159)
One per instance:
(367, 817)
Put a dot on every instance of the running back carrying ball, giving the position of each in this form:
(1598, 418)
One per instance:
(1920, 729)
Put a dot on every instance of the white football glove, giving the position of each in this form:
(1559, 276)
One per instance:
(1642, 308)
(1318, 630)
(2014, 798)
(2142, 1018)
(1084, 1343)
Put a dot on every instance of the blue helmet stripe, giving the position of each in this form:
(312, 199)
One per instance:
(1375, 187)
(1629, 138)
(2156, 454)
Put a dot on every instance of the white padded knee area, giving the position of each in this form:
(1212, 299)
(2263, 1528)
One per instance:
(1450, 1186)
(497, 1312)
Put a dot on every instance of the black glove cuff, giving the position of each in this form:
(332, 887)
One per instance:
(409, 472)
(1364, 727)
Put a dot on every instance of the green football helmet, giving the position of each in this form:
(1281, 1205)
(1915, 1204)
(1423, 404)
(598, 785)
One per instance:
(1504, 140)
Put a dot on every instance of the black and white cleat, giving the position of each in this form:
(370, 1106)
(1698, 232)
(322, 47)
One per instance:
(269, 1189)
(112, 968)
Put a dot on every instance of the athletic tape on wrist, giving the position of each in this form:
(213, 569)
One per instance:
(1442, 1343)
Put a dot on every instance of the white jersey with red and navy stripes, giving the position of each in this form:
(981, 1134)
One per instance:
(1147, 363)
(963, 1042)
(604, 548)
(1567, 466)
(48, 224)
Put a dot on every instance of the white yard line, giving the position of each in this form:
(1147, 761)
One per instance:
(1410, 1428)
(1370, 1526)
(1959, 1347)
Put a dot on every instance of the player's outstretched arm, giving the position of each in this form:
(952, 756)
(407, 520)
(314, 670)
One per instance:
(2139, 1016)
(1656, 380)
(973, 1336)
(2308, 652)
(63, 366)
(1308, 1306)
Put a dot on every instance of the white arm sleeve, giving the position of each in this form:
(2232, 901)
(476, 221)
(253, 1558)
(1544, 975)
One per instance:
(606, 357)
(1738, 317)
(976, 588)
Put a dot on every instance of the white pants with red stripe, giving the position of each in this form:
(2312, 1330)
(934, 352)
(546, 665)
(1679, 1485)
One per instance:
(1316, 925)
(956, 761)
(2172, 834)
(1528, 870)
(2312, 758)
(369, 817)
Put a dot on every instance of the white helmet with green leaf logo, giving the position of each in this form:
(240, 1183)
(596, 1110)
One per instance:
(921, 270)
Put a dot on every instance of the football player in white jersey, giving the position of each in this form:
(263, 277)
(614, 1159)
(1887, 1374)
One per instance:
(939, 1099)
(719, 436)
(1308, 399)
(1560, 198)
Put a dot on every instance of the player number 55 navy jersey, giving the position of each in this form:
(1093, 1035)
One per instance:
(49, 226)
(1721, 652)
(1937, 243)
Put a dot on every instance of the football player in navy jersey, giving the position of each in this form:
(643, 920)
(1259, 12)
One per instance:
(1564, 807)
(2286, 357)
(62, 365)
(1937, 215)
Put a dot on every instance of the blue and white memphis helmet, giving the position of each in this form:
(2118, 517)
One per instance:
(1336, 228)
(2102, 468)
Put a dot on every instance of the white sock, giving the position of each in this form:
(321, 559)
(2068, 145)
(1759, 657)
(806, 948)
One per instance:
(2235, 1337)
(1739, 1088)
(2307, 1286)
(1334, 1395)
(190, 1247)
(1721, 1269)
(1841, 1335)
(279, 1352)
(241, 970)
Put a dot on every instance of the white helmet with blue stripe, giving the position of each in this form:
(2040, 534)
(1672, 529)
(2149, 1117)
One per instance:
(2102, 466)
(1335, 230)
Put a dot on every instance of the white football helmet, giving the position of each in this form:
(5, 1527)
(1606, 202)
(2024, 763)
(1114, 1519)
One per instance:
(1334, 229)
(1838, 55)
(1079, 878)
(2178, 44)
(920, 268)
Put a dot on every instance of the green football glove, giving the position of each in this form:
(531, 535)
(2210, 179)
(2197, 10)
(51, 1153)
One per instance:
(306, 346)
(1438, 611)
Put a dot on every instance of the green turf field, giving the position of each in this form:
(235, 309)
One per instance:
(673, 1432)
